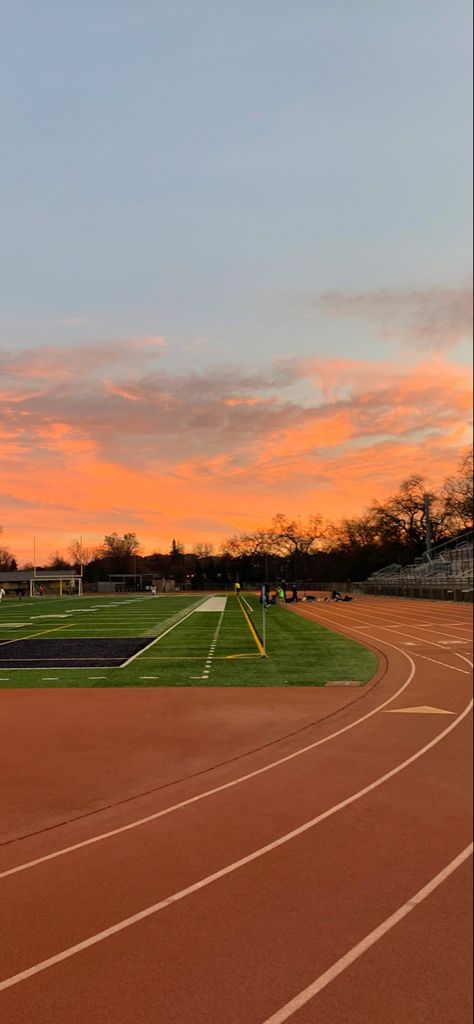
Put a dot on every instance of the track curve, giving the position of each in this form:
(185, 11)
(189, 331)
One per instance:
(229, 907)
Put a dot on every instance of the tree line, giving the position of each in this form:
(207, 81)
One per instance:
(394, 530)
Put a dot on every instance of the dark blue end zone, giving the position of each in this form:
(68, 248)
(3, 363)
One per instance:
(76, 652)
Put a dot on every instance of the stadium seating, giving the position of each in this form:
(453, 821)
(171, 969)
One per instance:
(446, 573)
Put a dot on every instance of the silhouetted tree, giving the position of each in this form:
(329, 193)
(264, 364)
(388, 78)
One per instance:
(457, 495)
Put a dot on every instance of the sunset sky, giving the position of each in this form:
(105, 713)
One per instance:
(236, 262)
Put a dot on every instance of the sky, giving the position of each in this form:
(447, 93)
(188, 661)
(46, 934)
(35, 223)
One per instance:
(235, 262)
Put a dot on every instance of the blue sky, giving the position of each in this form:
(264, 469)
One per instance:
(264, 203)
(193, 169)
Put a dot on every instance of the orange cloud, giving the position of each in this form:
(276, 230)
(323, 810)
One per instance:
(121, 444)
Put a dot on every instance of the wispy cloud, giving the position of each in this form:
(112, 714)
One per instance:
(432, 318)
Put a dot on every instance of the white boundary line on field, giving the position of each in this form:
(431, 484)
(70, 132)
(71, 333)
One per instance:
(212, 650)
(303, 997)
(176, 897)
(157, 638)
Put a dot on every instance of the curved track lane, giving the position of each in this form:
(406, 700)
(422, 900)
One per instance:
(231, 908)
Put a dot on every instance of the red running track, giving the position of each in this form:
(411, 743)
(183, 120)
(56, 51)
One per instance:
(263, 866)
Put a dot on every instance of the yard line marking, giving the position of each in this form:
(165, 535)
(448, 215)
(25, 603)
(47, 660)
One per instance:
(156, 639)
(66, 954)
(303, 997)
(216, 789)
(17, 640)
(210, 655)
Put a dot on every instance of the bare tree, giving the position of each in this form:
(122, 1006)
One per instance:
(57, 562)
(290, 536)
(115, 546)
(457, 495)
(80, 554)
(203, 550)
(400, 520)
(7, 560)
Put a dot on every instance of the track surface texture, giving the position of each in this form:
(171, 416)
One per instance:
(246, 856)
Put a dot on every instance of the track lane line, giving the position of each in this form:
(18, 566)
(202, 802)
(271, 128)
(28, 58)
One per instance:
(443, 625)
(101, 837)
(400, 632)
(137, 823)
(176, 897)
(216, 789)
(304, 997)
(307, 613)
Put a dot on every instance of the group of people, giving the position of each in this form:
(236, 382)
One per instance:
(22, 592)
(267, 597)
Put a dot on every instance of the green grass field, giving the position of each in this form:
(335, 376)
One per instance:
(188, 648)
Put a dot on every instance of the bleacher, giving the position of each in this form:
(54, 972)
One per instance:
(445, 573)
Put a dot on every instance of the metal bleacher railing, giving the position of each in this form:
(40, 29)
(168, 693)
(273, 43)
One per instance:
(445, 573)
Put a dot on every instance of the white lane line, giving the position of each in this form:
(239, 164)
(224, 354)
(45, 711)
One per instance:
(216, 789)
(150, 911)
(210, 655)
(303, 997)
(386, 643)
(227, 785)
(156, 639)
(400, 632)
(444, 621)
(393, 626)
(443, 663)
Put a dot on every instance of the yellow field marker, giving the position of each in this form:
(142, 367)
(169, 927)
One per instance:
(252, 629)
(31, 636)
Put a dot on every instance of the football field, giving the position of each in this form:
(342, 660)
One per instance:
(170, 640)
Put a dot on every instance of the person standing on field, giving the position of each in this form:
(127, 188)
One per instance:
(2, 594)
(237, 588)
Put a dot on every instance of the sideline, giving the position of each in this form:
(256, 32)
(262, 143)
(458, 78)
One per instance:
(252, 628)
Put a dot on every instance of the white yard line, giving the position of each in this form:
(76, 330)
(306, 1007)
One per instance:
(156, 639)
(304, 997)
(150, 911)
(212, 650)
